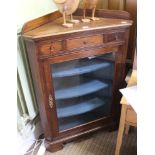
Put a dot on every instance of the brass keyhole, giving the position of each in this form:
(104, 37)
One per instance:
(84, 42)
(52, 47)
(116, 37)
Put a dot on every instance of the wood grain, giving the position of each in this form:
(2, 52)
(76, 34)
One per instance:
(55, 28)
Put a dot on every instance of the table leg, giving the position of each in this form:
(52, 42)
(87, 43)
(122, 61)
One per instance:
(121, 129)
(127, 127)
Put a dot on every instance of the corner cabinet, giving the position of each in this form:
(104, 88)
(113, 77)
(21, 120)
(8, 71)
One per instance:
(77, 73)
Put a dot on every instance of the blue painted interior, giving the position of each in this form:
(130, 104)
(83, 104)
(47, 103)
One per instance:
(80, 90)
(83, 90)
(75, 120)
(78, 68)
(80, 108)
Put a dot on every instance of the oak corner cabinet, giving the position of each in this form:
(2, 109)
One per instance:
(77, 72)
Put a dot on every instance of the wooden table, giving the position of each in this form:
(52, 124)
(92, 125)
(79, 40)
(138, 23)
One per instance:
(128, 115)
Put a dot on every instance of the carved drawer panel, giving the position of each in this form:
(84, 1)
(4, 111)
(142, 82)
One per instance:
(59, 47)
(84, 41)
(49, 47)
(112, 37)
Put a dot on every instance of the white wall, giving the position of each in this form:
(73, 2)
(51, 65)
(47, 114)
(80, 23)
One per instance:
(31, 9)
(26, 11)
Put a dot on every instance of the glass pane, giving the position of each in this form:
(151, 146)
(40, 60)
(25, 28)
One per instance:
(83, 89)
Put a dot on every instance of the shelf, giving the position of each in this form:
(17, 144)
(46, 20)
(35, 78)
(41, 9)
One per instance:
(80, 108)
(80, 90)
(78, 67)
(76, 120)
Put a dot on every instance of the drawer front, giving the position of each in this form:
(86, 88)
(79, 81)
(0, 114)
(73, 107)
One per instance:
(131, 116)
(112, 37)
(84, 41)
(60, 47)
(49, 47)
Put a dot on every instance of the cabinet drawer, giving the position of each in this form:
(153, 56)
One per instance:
(112, 37)
(84, 41)
(49, 47)
(56, 47)
(131, 116)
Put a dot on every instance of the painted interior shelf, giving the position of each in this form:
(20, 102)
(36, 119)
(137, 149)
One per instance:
(80, 108)
(79, 67)
(75, 120)
(80, 90)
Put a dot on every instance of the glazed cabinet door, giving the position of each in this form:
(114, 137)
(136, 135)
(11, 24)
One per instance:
(80, 90)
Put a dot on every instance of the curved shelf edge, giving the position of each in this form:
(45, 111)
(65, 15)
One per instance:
(81, 69)
(80, 108)
(80, 90)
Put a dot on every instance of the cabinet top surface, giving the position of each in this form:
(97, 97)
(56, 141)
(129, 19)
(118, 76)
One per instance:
(55, 27)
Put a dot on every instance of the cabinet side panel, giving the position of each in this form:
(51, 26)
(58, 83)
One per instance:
(120, 73)
(40, 90)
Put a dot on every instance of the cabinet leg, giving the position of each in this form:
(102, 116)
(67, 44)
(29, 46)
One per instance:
(53, 147)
